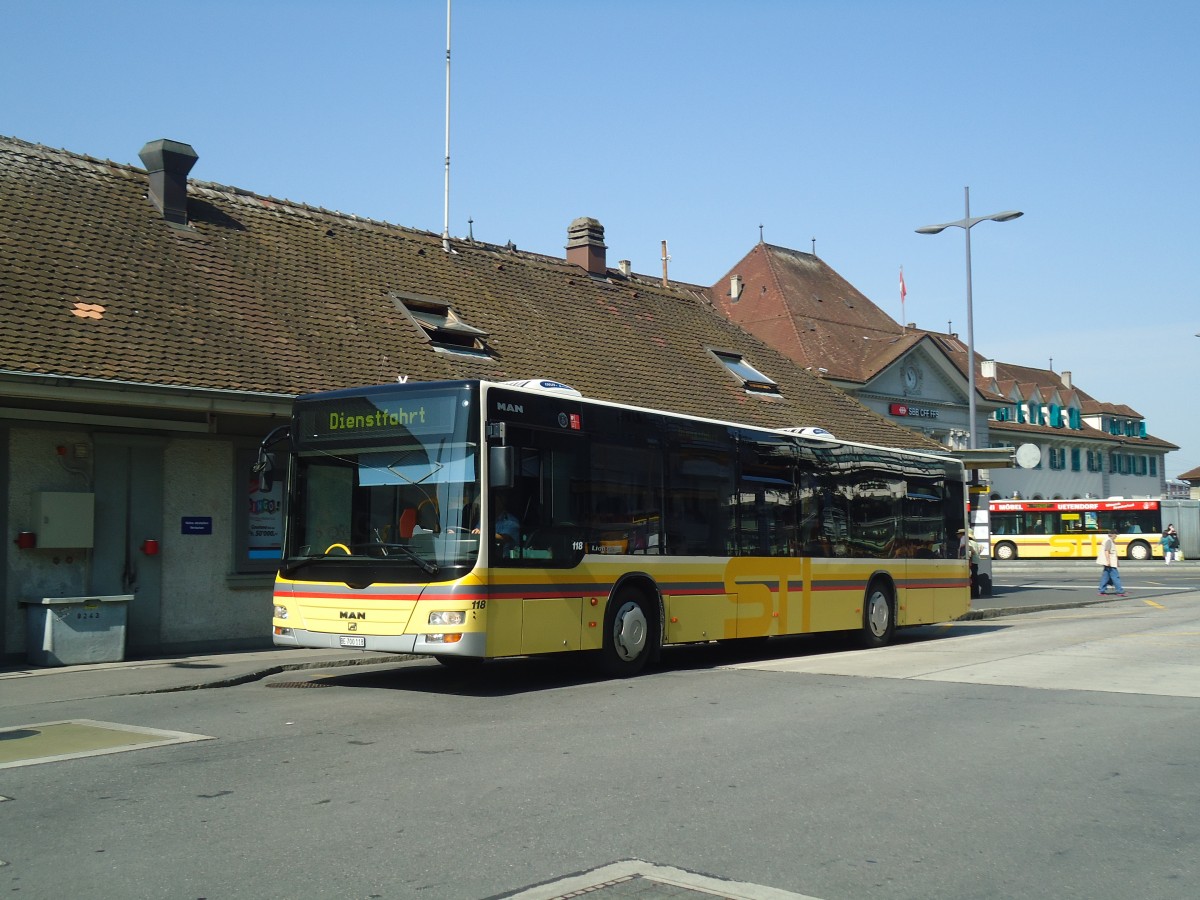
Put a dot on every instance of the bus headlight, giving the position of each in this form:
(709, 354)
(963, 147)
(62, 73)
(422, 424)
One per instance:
(447, 617)
(280, 611)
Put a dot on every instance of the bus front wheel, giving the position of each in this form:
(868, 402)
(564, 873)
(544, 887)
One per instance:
(627, 636)
(1005, 550)
(879, 616)
(1139, 550)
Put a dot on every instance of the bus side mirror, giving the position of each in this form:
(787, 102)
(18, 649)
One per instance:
(264, 465)
(502, 467)
(264, 468)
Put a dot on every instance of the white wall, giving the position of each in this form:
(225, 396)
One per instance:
(34, 465)
(201, 601)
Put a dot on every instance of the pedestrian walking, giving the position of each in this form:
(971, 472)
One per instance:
(1108, 558)
(1170, 544)
(968, 548)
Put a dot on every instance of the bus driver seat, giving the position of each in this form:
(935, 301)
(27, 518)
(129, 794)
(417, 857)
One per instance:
(408, 521)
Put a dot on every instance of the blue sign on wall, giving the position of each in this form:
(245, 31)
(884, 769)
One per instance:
(195, 525)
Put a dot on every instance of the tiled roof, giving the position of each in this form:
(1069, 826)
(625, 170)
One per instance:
(1095, 407)
(796, 302)
(1046, 381)
(955, 349)
(1016, 431)
(271, 296)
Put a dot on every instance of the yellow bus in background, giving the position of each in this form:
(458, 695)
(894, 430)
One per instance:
(470, 520)
(1074, 529)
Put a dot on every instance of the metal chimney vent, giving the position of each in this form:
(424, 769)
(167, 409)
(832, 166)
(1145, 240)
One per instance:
(168, 164)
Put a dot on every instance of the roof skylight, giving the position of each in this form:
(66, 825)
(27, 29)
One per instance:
(752, 380)
(445, 328)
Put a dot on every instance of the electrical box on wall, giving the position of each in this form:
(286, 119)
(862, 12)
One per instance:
(64, 520)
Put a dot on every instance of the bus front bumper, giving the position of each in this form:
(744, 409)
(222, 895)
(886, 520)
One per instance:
(469, 645)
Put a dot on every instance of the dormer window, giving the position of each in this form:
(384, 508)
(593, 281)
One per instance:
(754, 381)
(444, 328)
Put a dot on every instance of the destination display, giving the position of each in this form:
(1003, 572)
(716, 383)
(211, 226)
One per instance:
(377, 417)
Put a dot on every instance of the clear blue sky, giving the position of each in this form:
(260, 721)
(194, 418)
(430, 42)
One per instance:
(695, 122)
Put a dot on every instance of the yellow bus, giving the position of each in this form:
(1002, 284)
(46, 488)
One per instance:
(470, 520)
(1074, 529)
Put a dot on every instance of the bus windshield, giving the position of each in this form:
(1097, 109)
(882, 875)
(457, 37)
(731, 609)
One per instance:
(381, 481)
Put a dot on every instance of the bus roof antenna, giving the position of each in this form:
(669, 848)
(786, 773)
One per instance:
(446, 213)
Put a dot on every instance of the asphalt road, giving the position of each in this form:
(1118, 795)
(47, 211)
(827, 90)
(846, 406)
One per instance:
(1043, 583)
(1050, 754)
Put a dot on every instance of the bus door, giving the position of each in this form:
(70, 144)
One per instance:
(535, 543)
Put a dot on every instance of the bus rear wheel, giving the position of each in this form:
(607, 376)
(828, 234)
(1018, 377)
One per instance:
(1139, 550)
(627, 634)
(879, 616)
(1005, 550)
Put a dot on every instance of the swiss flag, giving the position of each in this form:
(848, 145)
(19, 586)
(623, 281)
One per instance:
(903, 289)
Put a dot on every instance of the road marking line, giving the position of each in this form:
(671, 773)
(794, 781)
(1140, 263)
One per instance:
(636, 877)
(1155, 605)
(1024, 585)
(28, 745)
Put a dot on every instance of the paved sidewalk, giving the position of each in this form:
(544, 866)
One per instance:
(24, 685)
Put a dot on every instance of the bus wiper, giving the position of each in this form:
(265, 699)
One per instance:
(427, 567)
(289, 567)
(383, 547)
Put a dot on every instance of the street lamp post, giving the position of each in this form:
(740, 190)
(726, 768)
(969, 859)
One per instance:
(966, 224)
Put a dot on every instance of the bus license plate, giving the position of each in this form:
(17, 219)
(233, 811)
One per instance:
(344, 641)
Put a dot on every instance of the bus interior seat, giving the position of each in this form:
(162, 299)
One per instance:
(408, 521)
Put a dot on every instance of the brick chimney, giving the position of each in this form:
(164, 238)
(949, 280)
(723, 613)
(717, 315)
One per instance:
(168, 164)
(585, 246)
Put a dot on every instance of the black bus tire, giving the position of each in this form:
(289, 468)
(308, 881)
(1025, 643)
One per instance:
(628, 633)
(879, 615)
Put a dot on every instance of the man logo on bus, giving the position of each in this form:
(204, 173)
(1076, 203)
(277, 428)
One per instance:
(343, 614)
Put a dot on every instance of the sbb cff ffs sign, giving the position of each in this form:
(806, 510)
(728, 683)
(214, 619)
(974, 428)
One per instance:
(921, 412)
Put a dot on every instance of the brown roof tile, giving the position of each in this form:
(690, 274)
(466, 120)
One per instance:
(268, 296)
(797, 303)
(1014, 431)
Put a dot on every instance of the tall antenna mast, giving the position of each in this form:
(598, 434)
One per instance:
(446, 215)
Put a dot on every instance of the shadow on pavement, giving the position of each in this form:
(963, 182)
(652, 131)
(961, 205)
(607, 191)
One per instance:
(505, 677)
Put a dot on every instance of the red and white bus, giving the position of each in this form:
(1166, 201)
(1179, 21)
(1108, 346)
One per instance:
(1074, 529)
